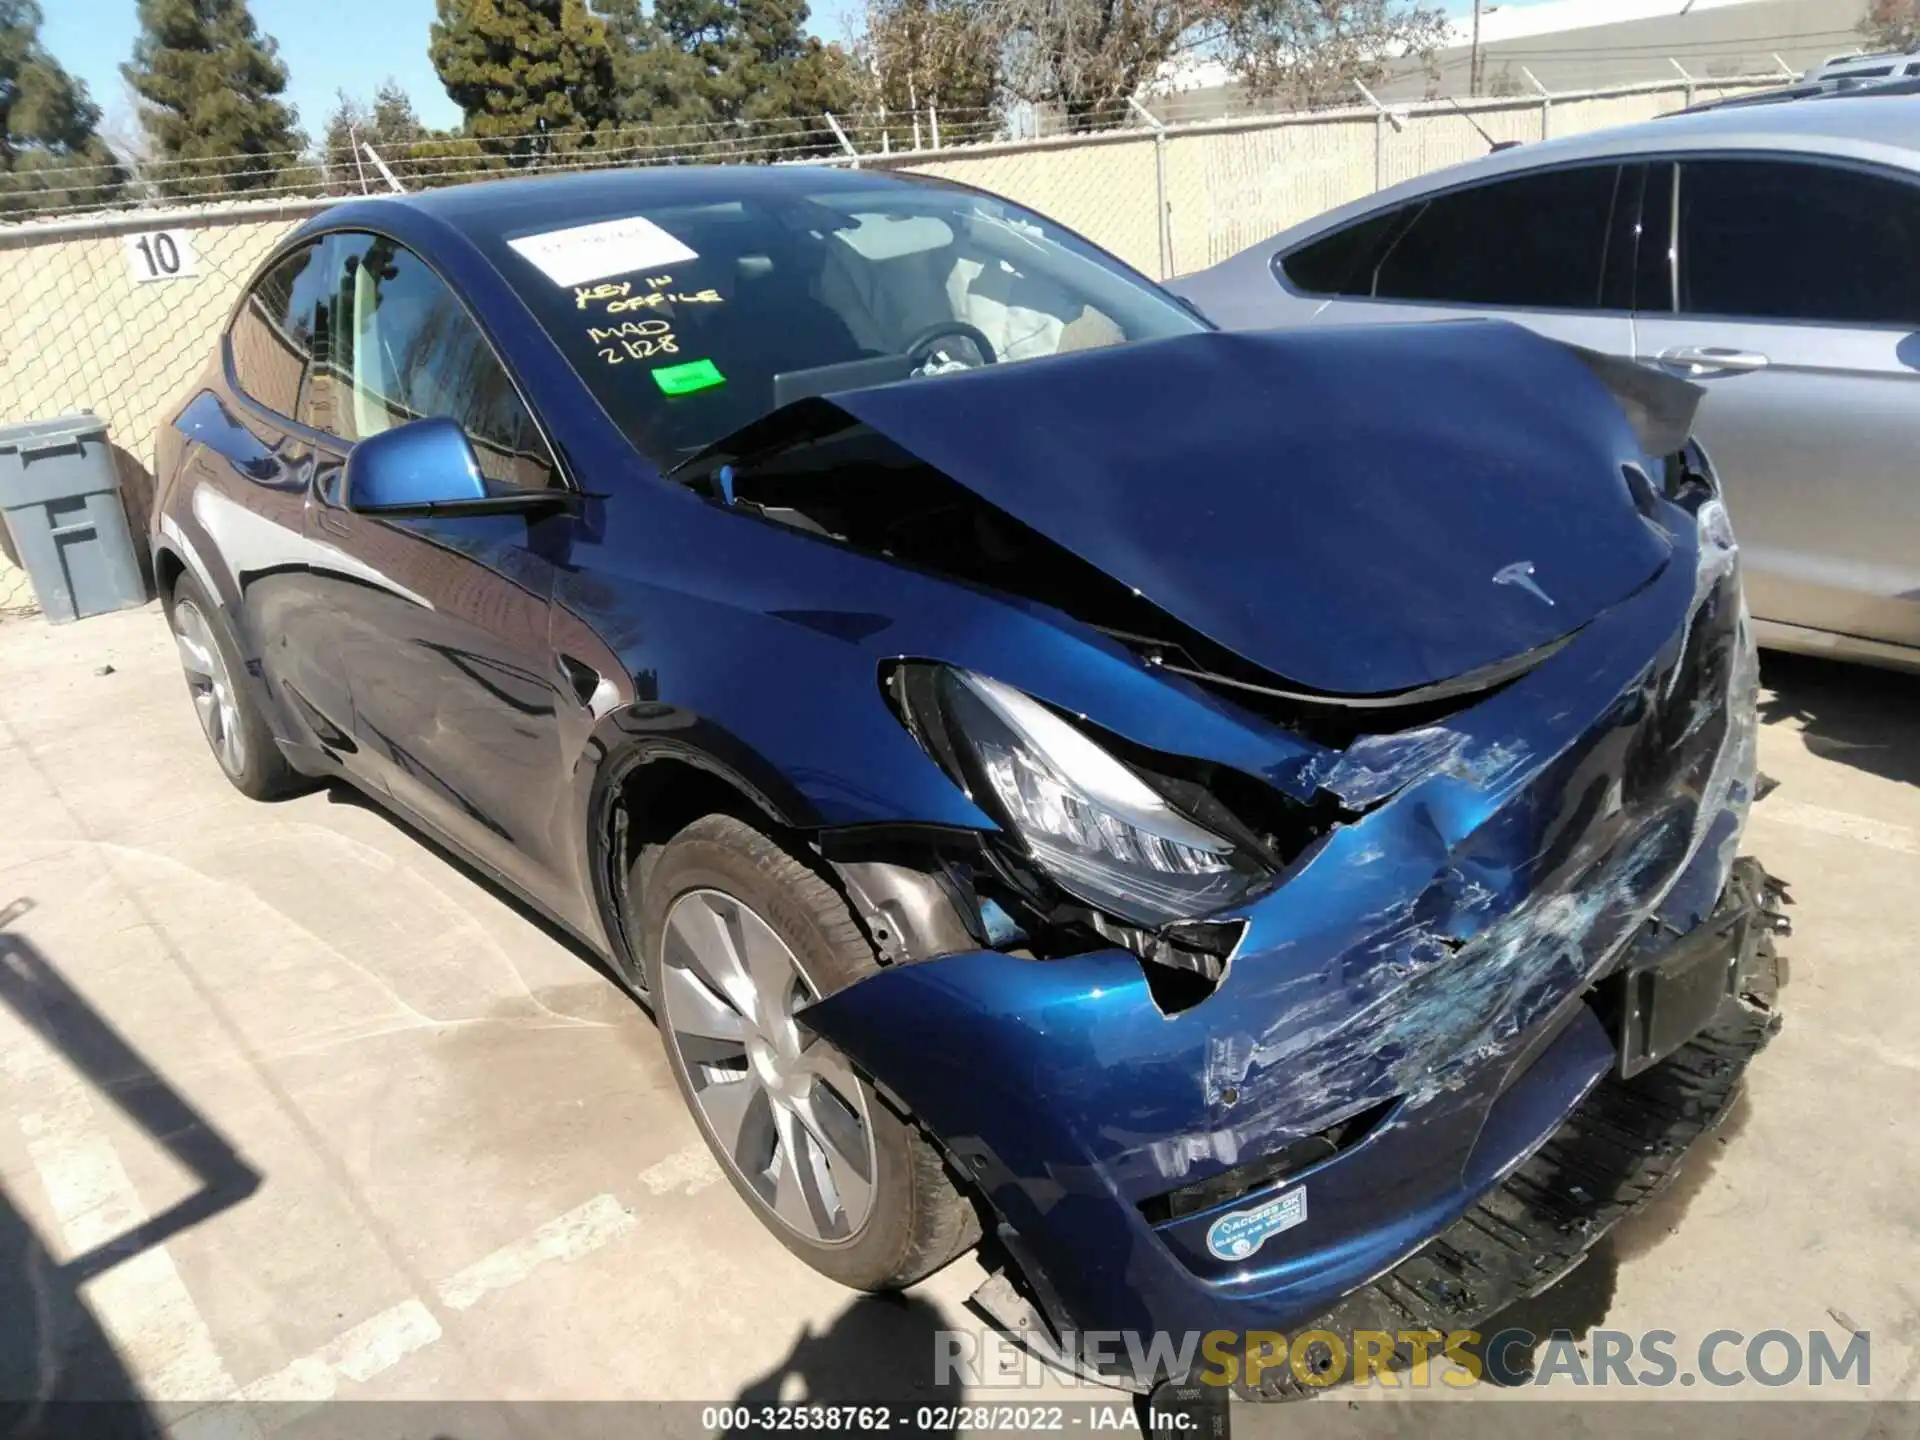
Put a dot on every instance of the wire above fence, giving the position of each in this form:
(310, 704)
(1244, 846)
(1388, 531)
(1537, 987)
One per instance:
(241, 183)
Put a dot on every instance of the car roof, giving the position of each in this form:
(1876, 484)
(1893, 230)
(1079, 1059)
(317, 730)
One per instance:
(1851, 125)
(1834, 87)
(500, 204)
(1884, 130)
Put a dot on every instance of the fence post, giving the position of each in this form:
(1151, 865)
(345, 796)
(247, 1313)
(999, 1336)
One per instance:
(381, 165)
(1382, 117)
(841, 136)
(1684, 76)
(1159, 185)
(933, 122)
(353, 149)
(1546, 103)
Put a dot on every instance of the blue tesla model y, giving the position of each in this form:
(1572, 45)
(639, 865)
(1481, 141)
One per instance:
(1242, 827)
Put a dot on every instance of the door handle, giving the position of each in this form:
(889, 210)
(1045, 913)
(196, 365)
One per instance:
(326, 518)
(1713, 360)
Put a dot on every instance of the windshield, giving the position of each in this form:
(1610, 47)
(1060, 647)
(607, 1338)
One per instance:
(688, 321)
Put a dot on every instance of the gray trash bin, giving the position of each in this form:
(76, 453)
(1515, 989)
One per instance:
(60, 497)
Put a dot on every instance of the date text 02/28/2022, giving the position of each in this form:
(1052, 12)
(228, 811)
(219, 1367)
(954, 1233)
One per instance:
(939, 1419)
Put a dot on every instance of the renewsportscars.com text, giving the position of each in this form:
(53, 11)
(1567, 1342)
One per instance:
(1417, 1359)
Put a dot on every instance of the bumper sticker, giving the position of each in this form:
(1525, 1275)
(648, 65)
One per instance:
(1237, 1235)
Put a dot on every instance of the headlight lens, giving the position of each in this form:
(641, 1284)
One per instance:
(1086, 819)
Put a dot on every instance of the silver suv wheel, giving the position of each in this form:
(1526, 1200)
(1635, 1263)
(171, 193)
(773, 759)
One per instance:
(783, 1108)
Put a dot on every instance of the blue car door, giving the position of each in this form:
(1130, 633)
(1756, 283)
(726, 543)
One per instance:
(441, 623)
(254, 460)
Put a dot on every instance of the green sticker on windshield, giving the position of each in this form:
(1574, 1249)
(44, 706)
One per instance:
(685, 379)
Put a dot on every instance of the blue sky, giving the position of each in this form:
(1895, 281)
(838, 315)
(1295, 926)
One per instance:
(328, 45)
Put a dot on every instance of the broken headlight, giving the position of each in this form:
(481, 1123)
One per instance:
(1086, 820)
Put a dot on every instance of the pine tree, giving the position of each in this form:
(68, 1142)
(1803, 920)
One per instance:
(209, 85)
(526, 70)
(389, 125)
(50, 156)
(657, 82)
(785, 72)
(738, 62)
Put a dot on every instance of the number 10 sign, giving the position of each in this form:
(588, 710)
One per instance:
(161, 255)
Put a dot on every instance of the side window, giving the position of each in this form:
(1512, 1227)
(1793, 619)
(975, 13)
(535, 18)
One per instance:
(1340, 263)
(1785, 240)
(273, 334)
(406, 349)
(1536, 240)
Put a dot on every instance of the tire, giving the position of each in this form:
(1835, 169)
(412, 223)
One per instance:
(236, 731)
(720, 881)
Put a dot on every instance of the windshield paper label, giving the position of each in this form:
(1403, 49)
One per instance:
(1237, 1235)
(593, 252)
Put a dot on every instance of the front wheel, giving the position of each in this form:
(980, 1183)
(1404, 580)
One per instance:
(738, 935)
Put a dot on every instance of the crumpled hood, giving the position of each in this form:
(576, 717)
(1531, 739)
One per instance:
(1358, 511)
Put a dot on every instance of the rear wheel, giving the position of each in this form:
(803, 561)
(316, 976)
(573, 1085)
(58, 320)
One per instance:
(738, 936)
(236, 731)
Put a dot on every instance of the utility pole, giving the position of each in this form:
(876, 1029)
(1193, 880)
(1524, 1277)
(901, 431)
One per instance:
(1473, 64)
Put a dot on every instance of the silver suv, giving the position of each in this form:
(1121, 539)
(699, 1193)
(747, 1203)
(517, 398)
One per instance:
(1879, 66)
(1772, 254)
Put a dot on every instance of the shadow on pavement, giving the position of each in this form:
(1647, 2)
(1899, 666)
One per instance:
(54, 1354)
(878, 1352)
(1854, 714)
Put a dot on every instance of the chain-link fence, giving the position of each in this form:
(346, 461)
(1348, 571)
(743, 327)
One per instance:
(87, 322)
(116, 312)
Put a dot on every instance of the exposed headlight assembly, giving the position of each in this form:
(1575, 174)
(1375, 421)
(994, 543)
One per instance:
(1087, 820)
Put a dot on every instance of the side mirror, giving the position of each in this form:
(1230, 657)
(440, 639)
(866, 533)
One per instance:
(427, 467)
(419, 467)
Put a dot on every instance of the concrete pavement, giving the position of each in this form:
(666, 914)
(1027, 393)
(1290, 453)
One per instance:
(296, 1108)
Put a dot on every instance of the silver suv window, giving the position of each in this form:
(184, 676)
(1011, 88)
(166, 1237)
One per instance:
(1535, 241)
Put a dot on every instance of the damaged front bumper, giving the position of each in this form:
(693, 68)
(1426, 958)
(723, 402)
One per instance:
(1618, 1149)
(1438, 993)
(1436, 1217)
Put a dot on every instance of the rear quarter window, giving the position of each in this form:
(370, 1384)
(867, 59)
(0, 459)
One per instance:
(1340, 263)
(1536, 241)
(272, 335)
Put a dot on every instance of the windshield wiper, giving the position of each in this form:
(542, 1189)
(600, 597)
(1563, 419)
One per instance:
(800, 422)
(792, 385)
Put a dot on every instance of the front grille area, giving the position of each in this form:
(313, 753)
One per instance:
(1531, 908)
(1291, 1159)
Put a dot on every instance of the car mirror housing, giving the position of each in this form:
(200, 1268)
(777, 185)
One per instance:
(422, 463)
(428, 467)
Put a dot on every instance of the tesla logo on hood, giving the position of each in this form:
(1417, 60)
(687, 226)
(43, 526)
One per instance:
(1521, 573)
